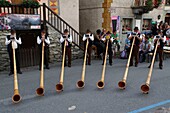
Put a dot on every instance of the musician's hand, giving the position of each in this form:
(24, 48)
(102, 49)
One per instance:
(43, 37)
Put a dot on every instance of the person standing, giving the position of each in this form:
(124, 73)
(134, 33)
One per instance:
(13, 41)
(88, 36)
(159, 47)
(43, 38)
(135, 52)
(110, 52)
(68, 38)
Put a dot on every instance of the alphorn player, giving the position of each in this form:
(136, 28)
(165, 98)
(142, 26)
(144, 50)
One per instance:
(43, 38)
(88, 36)
(68, 38)
(160, 46)
(135, 51)
(110, 39)
(15, 41)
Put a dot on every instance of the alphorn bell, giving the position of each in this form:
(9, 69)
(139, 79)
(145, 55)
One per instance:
(100, 83)
(145, 87)
(16, 97)
(122, 83)
(80, 83)
(59, 86)
(40, 91)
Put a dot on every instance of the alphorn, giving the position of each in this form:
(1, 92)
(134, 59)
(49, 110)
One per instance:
(122, 83)
(100, 83)
(145, 87)
(60, 86)
(16, 97)
(81, 83)
(40, 91)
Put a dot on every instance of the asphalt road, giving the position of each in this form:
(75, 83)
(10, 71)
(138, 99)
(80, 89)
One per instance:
(90, 99)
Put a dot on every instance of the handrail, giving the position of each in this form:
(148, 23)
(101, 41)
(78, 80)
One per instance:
(48, 16)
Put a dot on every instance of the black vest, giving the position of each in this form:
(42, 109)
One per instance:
(69, 44)
(161, 44)
(46, 45)
(137, 42)
(9, 46)
(90, 41)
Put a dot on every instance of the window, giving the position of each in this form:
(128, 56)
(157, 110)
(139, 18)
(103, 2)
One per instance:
(146, 24)
(127, 24)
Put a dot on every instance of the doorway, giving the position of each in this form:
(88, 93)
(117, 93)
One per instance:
(29, 51)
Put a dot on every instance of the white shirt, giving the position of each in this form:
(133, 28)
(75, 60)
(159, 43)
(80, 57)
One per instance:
(139, 36)
(46, 40)
(68, 38)
(164, 39)
(14, 41)
(90, 36)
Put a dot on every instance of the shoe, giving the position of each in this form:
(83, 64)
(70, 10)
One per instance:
(89, 63)
(19, 72)
(69, 65)
(136, 65)
(160, 67)
(110, 64)
(10, 73)
(149, 66)
(130, 65)
(47, 67)
(102, 63)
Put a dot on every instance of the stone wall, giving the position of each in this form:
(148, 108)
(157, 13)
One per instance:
(55, 49)
(4, 59)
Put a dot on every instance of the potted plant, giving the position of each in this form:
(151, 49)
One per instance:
(4, 3)
(150, 5)
(30, 4)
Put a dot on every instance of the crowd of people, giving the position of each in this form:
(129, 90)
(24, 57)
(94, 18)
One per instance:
(142, 44)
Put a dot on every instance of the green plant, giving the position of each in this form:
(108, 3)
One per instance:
(150, 5)
(30, 4)
(5, 3)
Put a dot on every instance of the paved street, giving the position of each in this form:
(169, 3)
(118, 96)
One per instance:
(90, 99)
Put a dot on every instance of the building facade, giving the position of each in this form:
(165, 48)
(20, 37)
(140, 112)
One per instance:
(123, 17)
(68, 11)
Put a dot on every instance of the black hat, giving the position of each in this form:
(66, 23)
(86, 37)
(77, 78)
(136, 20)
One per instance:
(136, 28)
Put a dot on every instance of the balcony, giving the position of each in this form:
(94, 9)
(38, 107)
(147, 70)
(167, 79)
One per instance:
(140, 7)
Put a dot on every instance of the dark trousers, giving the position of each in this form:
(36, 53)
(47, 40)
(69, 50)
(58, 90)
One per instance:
(68, 54)
(127, 51)
(99, 46)
(135, 53)
(160, 52)
(110, 52)
(142, 56)
(46, 53)
(10, 52)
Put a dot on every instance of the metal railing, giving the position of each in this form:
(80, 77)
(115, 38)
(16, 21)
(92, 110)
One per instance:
(47, 17)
